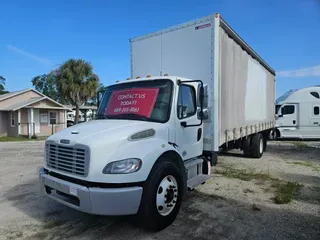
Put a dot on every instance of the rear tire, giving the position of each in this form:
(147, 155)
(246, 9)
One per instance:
(257, 146)
(162, 196)
(246, 146)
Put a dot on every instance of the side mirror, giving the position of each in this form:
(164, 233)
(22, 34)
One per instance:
(99, 96)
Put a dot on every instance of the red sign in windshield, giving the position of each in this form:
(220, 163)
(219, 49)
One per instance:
(139, 101)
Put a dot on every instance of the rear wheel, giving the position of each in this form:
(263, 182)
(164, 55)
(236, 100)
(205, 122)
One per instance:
(246, 145)
(257, 145)
(162, 196)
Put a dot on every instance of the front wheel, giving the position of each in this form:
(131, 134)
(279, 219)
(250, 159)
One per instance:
(162, 196)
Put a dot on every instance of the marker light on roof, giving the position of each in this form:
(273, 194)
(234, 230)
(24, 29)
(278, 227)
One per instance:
(137, 77)
(148, 76)
(166, 74)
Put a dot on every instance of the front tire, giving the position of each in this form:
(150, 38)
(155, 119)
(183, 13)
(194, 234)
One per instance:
(162, 196)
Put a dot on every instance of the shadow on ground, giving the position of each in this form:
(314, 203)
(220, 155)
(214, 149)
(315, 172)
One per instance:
(202, 216)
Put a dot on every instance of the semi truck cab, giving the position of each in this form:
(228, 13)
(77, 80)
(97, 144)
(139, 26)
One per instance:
(138, 157)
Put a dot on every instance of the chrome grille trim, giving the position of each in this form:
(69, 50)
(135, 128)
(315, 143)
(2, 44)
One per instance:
(72, 159)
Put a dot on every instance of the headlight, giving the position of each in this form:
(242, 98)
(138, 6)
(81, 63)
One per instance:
(123, 166)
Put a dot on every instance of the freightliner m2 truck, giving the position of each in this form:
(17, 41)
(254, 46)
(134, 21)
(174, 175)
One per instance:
(195, 89)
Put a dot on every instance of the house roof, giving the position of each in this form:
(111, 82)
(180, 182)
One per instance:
(82, 107)
(20, 105)
(28, 102)
(12, 94)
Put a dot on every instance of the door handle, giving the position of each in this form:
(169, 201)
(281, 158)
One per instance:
(199, 135)
(183, 124)
(294, 121)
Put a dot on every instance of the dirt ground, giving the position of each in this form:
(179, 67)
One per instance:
(228, 206)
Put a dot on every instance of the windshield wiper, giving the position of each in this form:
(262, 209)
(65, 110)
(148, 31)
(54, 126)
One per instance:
(128, 115)
(100, 116)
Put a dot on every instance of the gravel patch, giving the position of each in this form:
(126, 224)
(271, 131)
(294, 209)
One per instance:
(223, 208)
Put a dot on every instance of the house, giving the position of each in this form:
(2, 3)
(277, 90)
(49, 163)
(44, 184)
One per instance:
(30, 113)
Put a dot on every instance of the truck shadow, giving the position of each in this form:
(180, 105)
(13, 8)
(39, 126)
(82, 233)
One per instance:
(202, 216)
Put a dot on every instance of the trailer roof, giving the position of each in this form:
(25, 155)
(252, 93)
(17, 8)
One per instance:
(224, 26)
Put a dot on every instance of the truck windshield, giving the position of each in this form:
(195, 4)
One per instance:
(144, 101)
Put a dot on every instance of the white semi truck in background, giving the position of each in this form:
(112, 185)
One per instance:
(195, 89)
(298, 114)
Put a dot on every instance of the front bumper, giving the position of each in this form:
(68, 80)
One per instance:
(100, 201)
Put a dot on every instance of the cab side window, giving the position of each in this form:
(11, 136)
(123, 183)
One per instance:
(316, 110)
(288, 109)
(186, 102)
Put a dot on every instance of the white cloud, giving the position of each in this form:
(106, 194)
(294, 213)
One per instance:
(302, 72)
(27, 54)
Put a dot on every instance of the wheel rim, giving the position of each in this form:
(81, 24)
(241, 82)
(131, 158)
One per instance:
(167, 195)
(261, 145)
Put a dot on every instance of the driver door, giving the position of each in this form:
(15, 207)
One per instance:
(188, 138)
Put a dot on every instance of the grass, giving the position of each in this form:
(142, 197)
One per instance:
(284, 192)
(300, 144)
(243, 174)
(315, 167)
(19, 139)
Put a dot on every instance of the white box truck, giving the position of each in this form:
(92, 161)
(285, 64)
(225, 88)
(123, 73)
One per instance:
(194, 89)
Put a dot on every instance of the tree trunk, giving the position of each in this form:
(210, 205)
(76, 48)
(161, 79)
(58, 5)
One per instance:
(85, 115)
(76, 120)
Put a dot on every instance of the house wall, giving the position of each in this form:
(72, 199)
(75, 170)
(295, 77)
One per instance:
(4, 124)
(13, 130)
(46, 129)
(24, 122)
(18, 99)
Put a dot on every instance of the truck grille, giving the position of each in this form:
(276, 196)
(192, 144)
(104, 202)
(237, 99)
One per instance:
(69, 159)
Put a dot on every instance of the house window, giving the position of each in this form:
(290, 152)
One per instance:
(315, 94)
(288, 109)
(13, 120)
(53, 118)
(316, 110)
(186, 102)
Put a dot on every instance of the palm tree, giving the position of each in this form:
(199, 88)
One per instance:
(76, 82)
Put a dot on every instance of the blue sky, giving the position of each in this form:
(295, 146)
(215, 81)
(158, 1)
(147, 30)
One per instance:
(38, 35)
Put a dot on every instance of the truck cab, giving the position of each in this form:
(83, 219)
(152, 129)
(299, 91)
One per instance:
(297, 114)
(139, 156)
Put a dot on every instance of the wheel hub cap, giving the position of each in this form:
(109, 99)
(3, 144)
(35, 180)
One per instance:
(167, 195)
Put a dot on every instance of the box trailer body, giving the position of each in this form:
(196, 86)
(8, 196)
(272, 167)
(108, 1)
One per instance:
(240, 84)
(298, 114)
(157, 135)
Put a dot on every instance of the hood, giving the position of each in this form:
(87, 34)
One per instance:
(87, 132)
